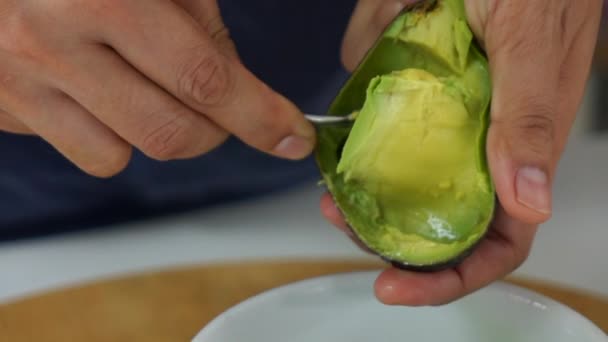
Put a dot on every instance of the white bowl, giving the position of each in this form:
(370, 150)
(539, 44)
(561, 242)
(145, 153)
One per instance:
(342, 308)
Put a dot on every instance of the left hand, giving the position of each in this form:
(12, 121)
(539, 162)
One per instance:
(540, 54)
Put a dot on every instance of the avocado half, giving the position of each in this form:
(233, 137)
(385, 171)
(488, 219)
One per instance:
(410, 175)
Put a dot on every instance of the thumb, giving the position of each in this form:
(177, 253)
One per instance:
(521, 148)
(520, 154)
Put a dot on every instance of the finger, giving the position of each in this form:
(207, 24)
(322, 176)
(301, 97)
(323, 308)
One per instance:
(497, 256)
(62, 122)
(207, 14)
(72, 130)
(195, 71)
(369, 20)
(8, 123)
(137, 109)
(522, 135)
(332, 213)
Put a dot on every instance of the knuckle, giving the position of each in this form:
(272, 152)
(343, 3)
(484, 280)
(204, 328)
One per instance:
(528, 31)
(26, 42)
(99, 8)
(215, 26)
(19, 37)
(169, 140)
(205, 79)
(537, 126)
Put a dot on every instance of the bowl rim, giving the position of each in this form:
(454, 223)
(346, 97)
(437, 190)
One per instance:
(525, 295)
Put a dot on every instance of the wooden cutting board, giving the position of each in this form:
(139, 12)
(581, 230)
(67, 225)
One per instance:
(173, 305)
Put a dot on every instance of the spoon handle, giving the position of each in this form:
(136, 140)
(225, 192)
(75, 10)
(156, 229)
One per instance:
(329, 119)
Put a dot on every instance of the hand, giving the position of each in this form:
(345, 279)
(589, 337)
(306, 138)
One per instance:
(96, 78)
(540, 54)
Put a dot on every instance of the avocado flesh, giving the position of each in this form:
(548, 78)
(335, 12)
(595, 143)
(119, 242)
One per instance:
(425, 213)
(410, 176)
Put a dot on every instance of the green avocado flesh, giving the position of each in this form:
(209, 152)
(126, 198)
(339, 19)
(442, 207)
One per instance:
(410, 175)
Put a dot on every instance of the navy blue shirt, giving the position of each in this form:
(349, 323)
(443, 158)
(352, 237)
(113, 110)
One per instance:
(291, 45)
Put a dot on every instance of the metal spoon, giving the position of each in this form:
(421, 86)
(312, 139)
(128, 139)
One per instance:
(323, 120)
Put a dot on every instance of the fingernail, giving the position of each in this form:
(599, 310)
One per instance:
(294, 147)
(532, 186)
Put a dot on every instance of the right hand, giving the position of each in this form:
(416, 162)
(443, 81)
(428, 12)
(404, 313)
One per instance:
(540, 55)
(96, 78)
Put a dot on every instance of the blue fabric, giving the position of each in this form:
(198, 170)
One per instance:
(293, 46)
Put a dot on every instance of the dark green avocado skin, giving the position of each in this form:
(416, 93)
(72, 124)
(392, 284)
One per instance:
(425, 268)
(435, 267)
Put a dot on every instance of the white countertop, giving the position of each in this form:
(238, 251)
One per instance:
(571, 248)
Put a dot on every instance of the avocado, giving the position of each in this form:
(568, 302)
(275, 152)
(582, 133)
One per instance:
(410, 175)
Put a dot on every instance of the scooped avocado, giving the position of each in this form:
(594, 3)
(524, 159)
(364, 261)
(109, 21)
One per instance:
(410, 175)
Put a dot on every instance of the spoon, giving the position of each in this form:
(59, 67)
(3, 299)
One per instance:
(322, 120)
